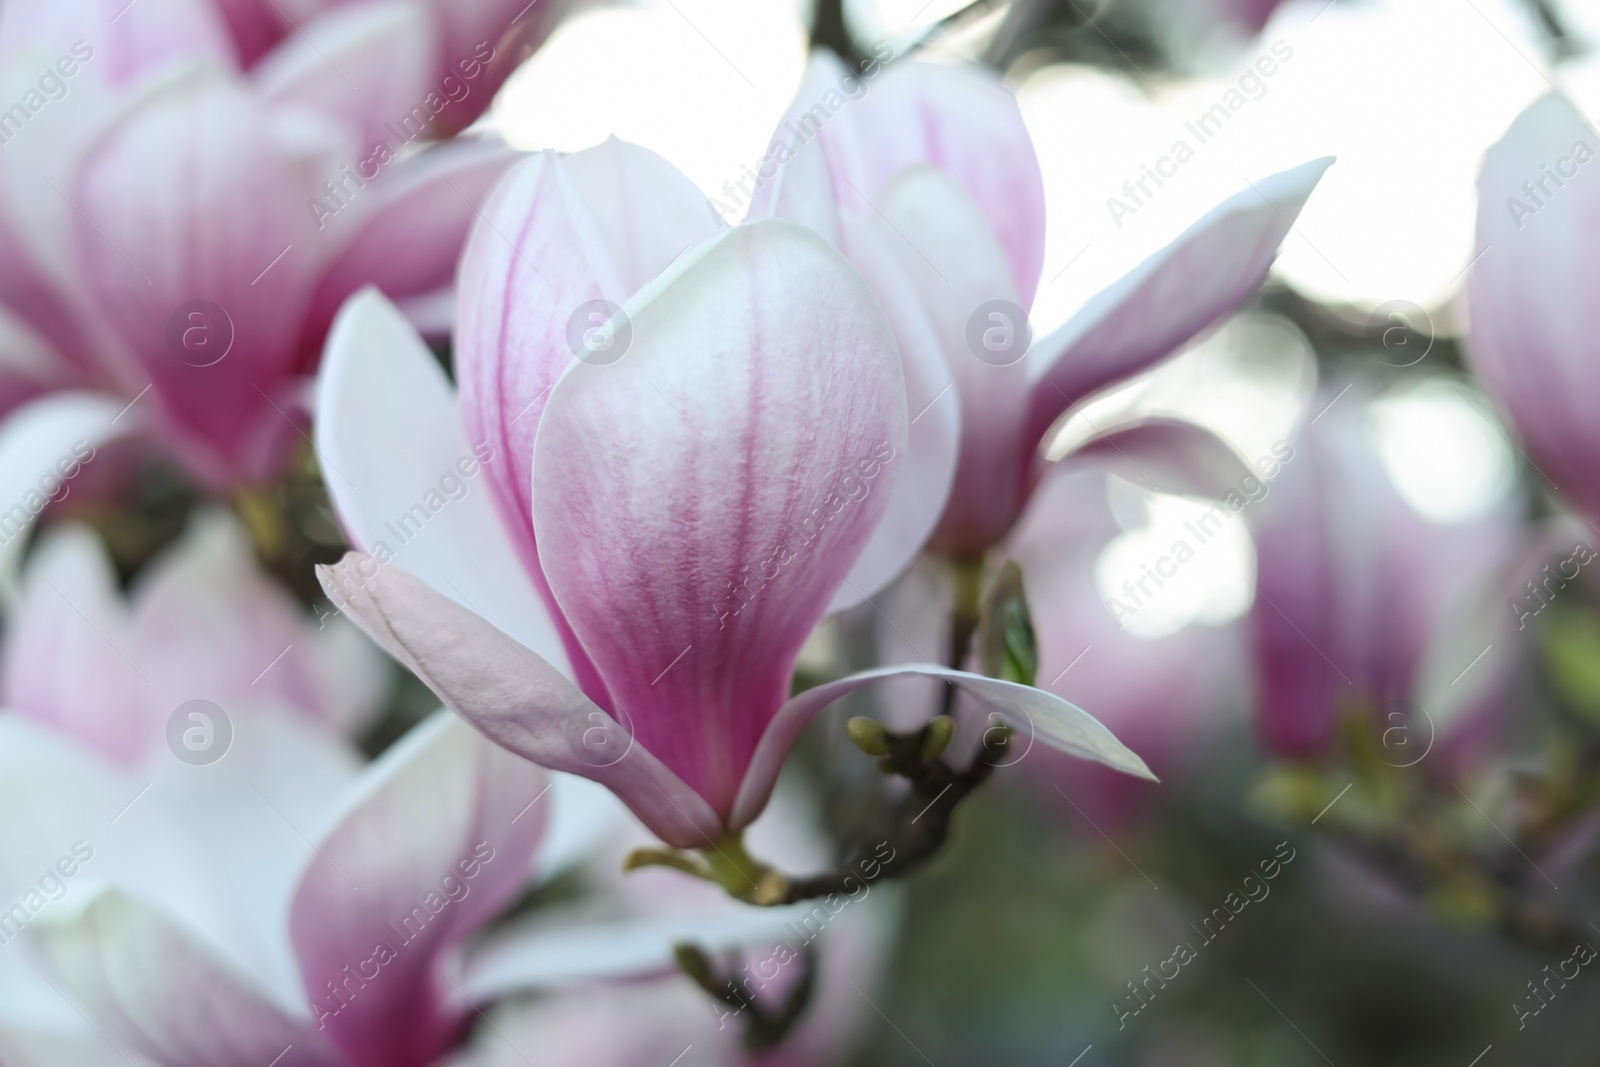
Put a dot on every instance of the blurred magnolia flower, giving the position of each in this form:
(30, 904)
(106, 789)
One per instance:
(1534, 335)
(201, 925)
(1165, 695)
(173, 226)
(926, 177)
(713, 464)
(201, 623)
(1365, 607)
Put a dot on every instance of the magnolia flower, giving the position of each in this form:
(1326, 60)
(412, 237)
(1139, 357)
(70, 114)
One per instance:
(1366, 607)
(1532, 337)
(201, 623)
(675, 506)
(177, 234)
(926, 177)
(275, 905)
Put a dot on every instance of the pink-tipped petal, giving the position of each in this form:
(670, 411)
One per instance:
(196, 192)
(963, 121)
(409, 229)
(1034, 715)
(406, 482)
(516, 698)
(438, 838)
(701, 498)
(368, 65)
(1208, 272)
(1534, 321)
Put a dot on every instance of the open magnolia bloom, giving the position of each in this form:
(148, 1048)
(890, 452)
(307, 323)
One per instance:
(201, 623)
(928, 181)
(1533, 337)
(277, 904)
(681, 486)
(176, 233)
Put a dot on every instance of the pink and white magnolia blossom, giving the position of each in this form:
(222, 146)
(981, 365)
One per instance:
(673, 509)
(1534, 335)
(176, 233)
(1364, 606)
(928, 181)
(200, 623)
(279, 903)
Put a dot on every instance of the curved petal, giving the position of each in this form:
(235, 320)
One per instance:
(66, 651)
(959, 119)
(409, 230)
(933, 444)
(533, 260)
(1533, 317)
(947, 250)
(368, 65)
(516, 698)
(195, 192)
(1212, 268)
(107, 57)
(702, 497)
(1033, 713)
(1163, 455)
(437, 839)
(42, 443)
(152, 985)
(405, 481)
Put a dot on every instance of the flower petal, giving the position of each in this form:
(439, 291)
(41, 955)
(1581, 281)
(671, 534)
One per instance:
(409, 230)
(743, 447)
(1034, 713)
(933, 444)
(438, 838)
(512, 695)
(959, 119)
(947, 250)
(1212, 268)
(368, 65)
(66, 651)
(40, 443)
(1163, 455)
(405, 481)
(151, 984)
(196, 190)
(1533, 315)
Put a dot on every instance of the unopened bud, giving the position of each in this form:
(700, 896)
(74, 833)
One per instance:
(868, 735)
(936, 737)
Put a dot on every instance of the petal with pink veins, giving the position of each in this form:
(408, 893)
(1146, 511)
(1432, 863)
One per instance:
(437, 838)
(513, 695)
(195, 241)
(405, 481)
(702, 497)
(1205, 274)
